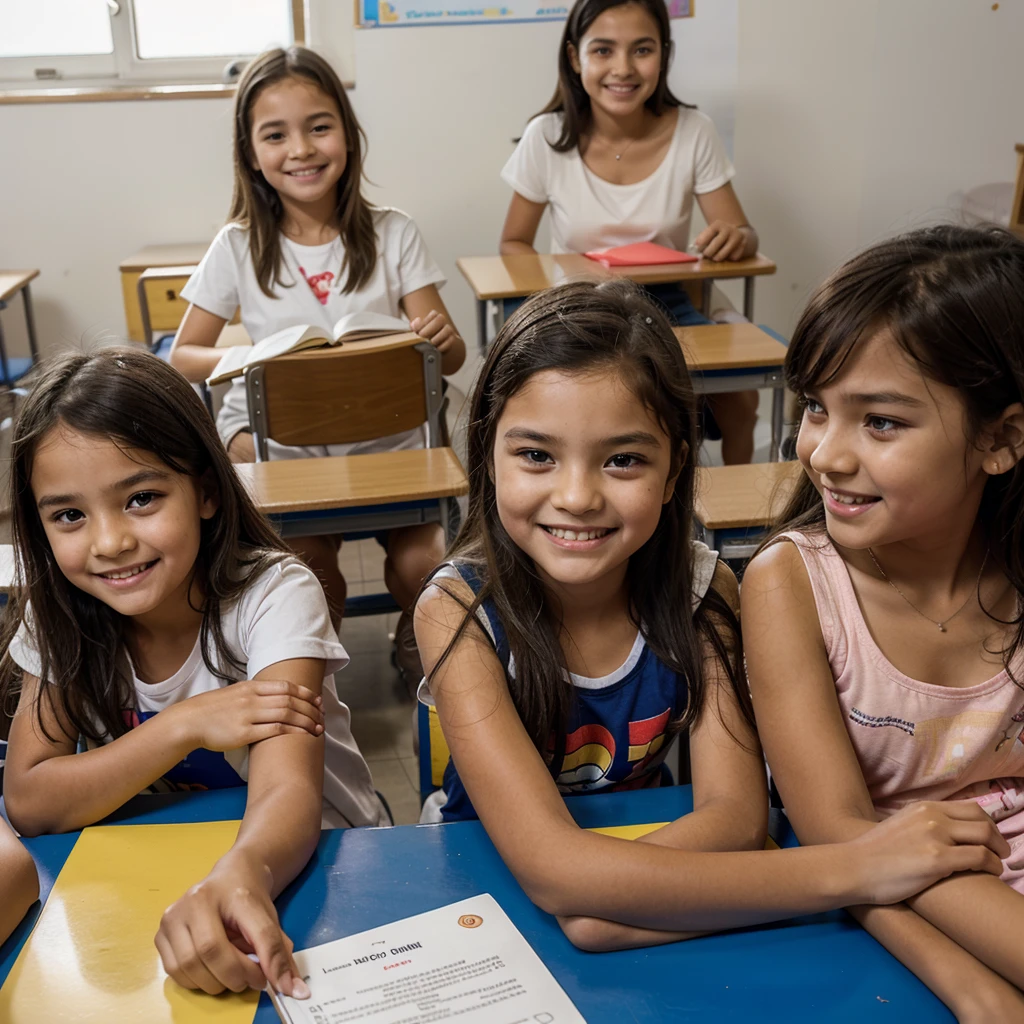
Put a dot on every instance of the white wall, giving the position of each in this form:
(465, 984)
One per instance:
(84, 185)
(858, 120)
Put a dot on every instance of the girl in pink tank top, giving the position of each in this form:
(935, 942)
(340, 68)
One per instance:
(882, 620)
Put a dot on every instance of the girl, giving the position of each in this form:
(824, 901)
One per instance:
(302, 246)
(577, 630)
(897, 575)
(619, 159)
(160, 619)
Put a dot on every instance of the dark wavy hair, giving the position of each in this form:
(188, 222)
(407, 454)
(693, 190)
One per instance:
(256, 205)
(571, 99)
(577, 328)
(953, 300)
(140, 403)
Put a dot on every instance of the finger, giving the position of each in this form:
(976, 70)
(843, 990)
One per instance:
(280, 705)
(190, 967)
(734, 249)
(703, 238)
(227, 965)
(430, 325)
(288, 716)
(260, 926)
(275, 687)
(271, 730)
(974, 858)
(714, 245)
(962, 809)
(442, 341)
(170, 961)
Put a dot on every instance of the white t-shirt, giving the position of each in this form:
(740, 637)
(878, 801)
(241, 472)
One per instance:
(281, 615)
(311, 294)
(588, 212)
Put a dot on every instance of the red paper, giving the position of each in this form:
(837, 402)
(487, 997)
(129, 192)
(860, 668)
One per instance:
(639, 254)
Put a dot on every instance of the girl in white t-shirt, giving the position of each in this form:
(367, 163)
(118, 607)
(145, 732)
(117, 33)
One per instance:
(619, 159)
(303, 246)
(160, 622)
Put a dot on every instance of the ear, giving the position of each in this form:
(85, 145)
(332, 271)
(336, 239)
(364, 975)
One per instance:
(670, 483)
(574, 58)
(209, 495)
(1003, 445)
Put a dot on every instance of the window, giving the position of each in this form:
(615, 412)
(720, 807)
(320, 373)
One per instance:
(83, 42)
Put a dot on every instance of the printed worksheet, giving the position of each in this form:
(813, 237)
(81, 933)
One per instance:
(465, 961)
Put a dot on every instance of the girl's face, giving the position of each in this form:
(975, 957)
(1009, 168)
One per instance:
(619, 59)
(888, 452)
(122, 525)
(298, 141)
(581, 471)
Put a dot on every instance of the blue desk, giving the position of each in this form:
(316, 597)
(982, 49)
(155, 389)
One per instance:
(813, 969)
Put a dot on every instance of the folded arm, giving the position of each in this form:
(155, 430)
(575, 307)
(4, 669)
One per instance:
(19, 883)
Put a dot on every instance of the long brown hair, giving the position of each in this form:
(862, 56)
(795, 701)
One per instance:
(953, 300)
(576, 328)
(571, 99)
(140, 402)
(257, 206)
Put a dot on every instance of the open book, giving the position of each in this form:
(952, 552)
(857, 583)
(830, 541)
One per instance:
(639, 254)
(466, 960)
(351, 327)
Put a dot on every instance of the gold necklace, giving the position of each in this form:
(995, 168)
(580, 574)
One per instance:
(934, 622)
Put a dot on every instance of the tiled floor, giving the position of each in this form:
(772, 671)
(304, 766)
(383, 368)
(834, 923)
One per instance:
(382, 709)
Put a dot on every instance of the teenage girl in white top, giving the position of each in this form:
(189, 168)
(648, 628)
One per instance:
(619, 159)
(303, 246)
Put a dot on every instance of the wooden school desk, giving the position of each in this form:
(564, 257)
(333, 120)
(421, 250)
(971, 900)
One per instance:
(185, 254)
(811, 969)
(513, 277)
(737, 357)
(734, 504)
(12, 282)
(355, 493)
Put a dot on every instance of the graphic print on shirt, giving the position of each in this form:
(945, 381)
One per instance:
(590, 760)
(320, 283)
(200, 769)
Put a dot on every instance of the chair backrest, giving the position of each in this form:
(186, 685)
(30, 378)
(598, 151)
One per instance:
(1017, 209)
(340, 395)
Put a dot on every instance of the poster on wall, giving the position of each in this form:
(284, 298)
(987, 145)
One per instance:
(389, 13)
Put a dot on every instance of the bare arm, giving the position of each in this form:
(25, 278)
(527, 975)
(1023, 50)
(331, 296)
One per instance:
(821, 783)
(204, 936)
(193, 351)
(730, 794)
(728, 236)
(521, 223)
(50, 788)
(19, 884)
(429, 318)
(568, 871)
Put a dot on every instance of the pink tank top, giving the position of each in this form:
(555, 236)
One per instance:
(916, 740)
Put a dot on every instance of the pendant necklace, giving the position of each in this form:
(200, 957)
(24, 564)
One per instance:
(934, 622)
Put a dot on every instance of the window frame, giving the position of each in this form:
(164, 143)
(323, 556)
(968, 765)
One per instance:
(123, 67)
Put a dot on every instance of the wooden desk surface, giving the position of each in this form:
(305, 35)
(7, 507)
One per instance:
(306, 485)
(729, 347)
(735, 496)
(183, 254)
(12, 281)
(506, 277)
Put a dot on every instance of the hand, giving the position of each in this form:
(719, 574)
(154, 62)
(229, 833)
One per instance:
(722, 241)
(205, 936)
(923, 843)
(437, 329)
(244, 713)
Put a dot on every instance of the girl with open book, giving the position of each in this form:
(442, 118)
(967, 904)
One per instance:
(619, 159)
(302, 246)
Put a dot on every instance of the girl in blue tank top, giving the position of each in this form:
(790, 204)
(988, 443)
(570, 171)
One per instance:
(576, 630)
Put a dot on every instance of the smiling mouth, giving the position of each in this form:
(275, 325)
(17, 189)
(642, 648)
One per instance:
(309, 172)
(851, 499)
(624, 89)
(125, 574)
(594, 534)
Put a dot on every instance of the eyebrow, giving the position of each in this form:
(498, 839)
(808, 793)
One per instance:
(884, 398)
(143, 476)
(636, 437)
(264, 125)
(612, 42)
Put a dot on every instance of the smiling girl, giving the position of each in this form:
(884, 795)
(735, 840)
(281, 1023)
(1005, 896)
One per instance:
(160, 624)
(619, 159)
(577, 630)
(883, 621)
(302, 246)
